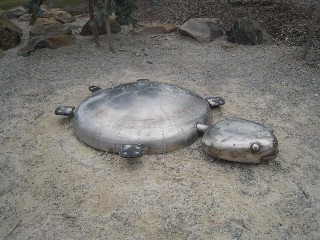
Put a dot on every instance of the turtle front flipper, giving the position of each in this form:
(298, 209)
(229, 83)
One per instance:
(215, 101)
(131, 150)
(64, 111)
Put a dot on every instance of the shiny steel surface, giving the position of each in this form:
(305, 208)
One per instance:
(240, 140)
(162, 117)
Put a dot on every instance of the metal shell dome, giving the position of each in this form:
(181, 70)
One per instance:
(156, 116)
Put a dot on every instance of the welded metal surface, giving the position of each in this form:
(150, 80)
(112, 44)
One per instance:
(240, 140)
(162, 117)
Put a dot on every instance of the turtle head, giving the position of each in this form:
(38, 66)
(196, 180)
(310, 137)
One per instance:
(268, 150)
(240, 140)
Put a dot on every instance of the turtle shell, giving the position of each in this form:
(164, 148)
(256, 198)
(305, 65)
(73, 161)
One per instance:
(160, 117)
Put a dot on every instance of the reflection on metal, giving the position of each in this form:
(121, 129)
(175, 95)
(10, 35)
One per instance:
(162, 117)
(240, 140)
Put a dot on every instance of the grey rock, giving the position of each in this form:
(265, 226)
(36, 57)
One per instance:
(25, 18)
(248, 32)
(202, 29)
(16, 12)
(39, 42)
(10, 34)
(8, 39)
(59, 15)
(48, 32)
(8, 25)
(86, 29)
(49, 27)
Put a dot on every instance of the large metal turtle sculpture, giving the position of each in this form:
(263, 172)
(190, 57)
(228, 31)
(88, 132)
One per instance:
(146, 117)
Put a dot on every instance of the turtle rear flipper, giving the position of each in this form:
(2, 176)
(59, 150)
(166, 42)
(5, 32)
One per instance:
(131, 150)
(215, 101)
(94, 88)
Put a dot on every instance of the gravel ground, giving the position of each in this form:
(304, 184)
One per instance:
(55, 187)
(287, 23)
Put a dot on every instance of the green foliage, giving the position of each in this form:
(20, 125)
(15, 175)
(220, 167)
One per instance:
(122, 8)
(34, 7)
(8, 4)
(101, 9)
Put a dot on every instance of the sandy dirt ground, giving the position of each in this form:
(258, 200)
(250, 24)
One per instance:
(52, 186)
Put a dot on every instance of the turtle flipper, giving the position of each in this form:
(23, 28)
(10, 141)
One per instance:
(94, 88)
(215, 101)
(202, 128)
(131, 150)
(64, 111)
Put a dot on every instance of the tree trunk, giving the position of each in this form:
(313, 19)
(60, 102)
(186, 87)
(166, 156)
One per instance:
(109, 37)
(108, 28)
(311, 31)
(92, 20)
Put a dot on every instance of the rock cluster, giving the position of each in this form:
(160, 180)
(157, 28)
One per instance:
(244, 31)
(48, 27)
(49, 31)
(16, 12)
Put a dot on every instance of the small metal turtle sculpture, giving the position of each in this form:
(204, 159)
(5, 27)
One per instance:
(146, 117)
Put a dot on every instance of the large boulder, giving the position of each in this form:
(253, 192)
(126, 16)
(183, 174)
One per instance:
(86, 29)
(10, 34)
(16, 12)
(8, 39)
(202, 29)
(59, 15)
(46, 33)
(48, 27)
(249, 32)
(39, 42)
(153, 28)
(7, 24)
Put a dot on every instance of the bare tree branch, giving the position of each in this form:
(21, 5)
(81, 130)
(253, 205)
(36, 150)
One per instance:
(92, 20)
(311, 30)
